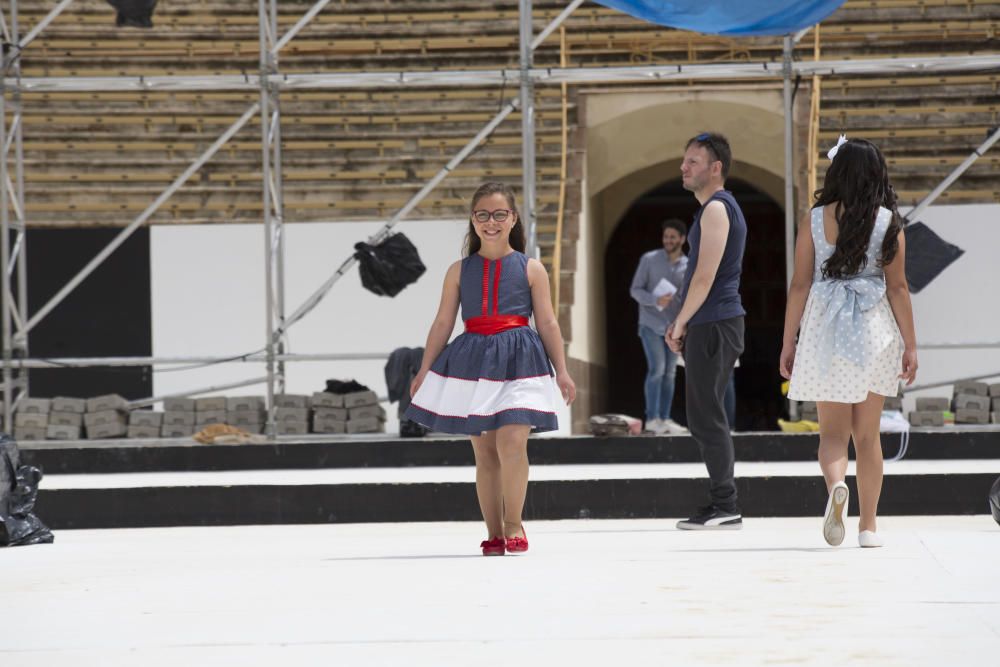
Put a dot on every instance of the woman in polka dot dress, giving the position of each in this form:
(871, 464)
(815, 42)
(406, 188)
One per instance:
(849, 305)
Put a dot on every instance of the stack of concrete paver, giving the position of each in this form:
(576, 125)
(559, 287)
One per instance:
(66, 418)
(972, 402)
(246, 412)
(145, 424)
(178, 418)
(106, 417)
(209, 410)
(328, 413)
(357, 412)
(291, 414)
(995, 398)
(31, 419)
(930, 411)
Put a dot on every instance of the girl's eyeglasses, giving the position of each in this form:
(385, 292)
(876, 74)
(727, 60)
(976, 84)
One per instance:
(499, 215)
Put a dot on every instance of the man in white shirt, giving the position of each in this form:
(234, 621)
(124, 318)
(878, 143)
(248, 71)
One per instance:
(659, 275)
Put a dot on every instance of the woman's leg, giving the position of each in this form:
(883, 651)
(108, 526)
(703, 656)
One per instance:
(488, 487)
(512, 447)
(834, 436)
(868, 446)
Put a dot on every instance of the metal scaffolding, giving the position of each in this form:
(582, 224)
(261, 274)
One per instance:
(269, 82)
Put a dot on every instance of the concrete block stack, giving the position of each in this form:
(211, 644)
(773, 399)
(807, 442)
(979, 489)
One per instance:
(145, 424)
(971, 402)
(31, 419)
(291, 414)
(66, 418)
(106, 417)
(209, 410)
(246, 412)
(994, 392)
(328, 413)
(893, 403)
(364, 414)
(178, 418)
(930, 411)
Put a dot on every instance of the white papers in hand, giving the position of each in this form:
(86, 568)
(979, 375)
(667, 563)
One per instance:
(663, 288)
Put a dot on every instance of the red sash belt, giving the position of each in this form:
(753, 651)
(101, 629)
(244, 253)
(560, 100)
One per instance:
(494, 324)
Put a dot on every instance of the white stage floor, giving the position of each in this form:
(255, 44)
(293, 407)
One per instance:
(610, 593)
(538, 473)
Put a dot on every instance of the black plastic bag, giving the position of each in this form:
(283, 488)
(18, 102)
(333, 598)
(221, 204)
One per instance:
(927, 255)
(134, 13)
(390, 266)
(18, 491)
(344, 386)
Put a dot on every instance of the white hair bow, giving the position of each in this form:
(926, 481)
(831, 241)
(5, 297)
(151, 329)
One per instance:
(832, 153)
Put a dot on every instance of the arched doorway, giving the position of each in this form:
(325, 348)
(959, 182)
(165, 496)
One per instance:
(758, 393)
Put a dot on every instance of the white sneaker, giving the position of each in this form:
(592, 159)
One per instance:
(869, 539)
(836, 514)
(673, 428)
(654, 426)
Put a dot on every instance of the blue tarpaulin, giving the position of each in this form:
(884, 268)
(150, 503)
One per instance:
(736, 18)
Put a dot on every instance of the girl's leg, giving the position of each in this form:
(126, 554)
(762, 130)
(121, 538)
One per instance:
(868, 446)
(512, 447)
(834, 436)
(488, 487)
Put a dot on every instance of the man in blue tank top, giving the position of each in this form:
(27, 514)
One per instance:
(708, 330)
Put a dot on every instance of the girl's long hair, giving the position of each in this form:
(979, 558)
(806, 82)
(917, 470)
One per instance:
(858, 181)
(472, 241)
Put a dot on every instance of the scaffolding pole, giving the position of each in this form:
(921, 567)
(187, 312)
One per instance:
(14, 259)
(528, 213)
(278, 189)
(397, 79)
(789, 161)
(255, 357)
(269, 240)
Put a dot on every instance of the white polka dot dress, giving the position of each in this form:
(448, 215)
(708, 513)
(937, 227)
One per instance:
(849, 342)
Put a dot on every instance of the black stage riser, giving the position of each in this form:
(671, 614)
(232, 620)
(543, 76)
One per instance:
(936, 494)
(407, 453)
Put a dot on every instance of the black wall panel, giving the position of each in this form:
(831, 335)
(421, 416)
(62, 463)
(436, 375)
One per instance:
(109, 314)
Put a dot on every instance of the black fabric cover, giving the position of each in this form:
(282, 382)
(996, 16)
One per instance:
(344, 386)
(995, 500)
(400, 369)
(134, 13)
(18, 491)
(927, 255)
(390, 266)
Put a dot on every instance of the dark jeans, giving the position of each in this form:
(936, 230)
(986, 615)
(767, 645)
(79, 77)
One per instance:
(710, 352)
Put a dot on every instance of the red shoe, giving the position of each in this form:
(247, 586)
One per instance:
(518, 545)
(494, 547)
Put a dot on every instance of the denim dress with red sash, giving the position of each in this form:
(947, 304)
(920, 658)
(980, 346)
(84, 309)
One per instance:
(497, 372)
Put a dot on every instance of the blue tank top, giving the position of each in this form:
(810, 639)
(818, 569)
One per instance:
(495, 287)
(723, 301)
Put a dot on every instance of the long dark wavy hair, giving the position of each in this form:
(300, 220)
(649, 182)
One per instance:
(858, 181)
(517, 241)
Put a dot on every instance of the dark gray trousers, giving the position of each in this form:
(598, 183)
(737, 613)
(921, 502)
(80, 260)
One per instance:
(710, 353)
